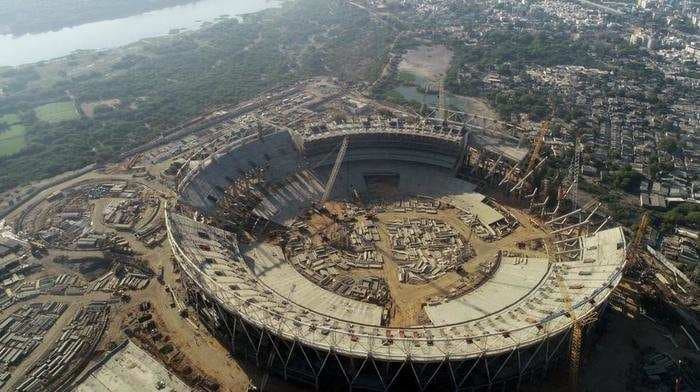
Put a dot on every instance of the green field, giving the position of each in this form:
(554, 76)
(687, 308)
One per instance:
(9, 119)
(12, 140)
(56, 112)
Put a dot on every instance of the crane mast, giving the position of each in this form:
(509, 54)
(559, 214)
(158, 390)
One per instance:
(334, 172)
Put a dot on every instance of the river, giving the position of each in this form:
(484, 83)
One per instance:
(30, 48)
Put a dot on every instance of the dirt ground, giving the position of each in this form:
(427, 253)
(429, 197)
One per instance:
(212, 359)
(410, 298)
(202, 350)
(477, 106)
(611, 364)
(429, 62)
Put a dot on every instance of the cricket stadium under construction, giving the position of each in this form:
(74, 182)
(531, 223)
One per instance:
(255, 236)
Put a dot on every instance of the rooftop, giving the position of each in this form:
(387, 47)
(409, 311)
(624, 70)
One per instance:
(130, 368)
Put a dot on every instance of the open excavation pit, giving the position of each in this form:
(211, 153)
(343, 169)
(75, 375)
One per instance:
(400, 273)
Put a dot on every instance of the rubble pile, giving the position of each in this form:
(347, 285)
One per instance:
(482, 231)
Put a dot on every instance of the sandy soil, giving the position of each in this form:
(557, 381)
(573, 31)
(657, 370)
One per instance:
(429, 62)
(410, 298)
(477, 106)
(202, 350)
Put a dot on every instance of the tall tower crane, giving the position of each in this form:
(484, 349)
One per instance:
(576, 343)
(442, 101)
(569, 186)
(334, 172)
(535, 161)
(577, 323)
(633, 258)
(576, 172)
(537, 147)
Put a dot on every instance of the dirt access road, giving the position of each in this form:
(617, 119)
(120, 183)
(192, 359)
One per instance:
(409, 298)
(75, 303)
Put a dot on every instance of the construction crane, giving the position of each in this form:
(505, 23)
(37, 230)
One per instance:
(576, 345)
(442, 102)
(426, 87)
(641, 231)
(632, 258)
(336, 169)
(569, 186)
(537, 146)
(534, 162)
(575, 173)
(577, 323)
(576, 342)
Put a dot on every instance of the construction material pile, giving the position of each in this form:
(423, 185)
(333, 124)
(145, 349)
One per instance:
(426, 249)
(72, 350)
(23, 331)
(329, 264)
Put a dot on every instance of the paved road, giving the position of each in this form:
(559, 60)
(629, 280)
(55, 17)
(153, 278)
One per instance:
(602, 7)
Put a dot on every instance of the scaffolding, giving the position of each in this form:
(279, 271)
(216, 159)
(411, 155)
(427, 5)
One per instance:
(319, 351)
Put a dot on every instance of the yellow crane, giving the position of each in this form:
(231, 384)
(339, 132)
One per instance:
(632, 256)
(537, 146)
(577, 324)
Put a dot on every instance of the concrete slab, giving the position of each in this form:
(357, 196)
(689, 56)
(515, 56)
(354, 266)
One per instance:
(132, 369)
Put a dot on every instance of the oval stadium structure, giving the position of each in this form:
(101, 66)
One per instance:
(500, 332)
